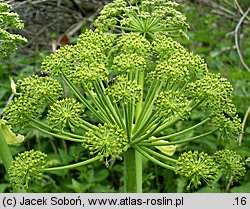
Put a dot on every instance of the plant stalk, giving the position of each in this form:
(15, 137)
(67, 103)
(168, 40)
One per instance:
(132, 171)
(133, 159)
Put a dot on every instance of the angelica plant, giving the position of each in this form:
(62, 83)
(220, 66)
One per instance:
(137, 85)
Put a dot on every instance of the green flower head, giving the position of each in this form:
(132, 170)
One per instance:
(34, 94)
(123, 90)
(196, 167)
(65, 112)
(27, 167)
(170, 102)
(107, 141)
(230, 164)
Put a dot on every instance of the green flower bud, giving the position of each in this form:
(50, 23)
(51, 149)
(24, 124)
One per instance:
(133, 43)
(20, 110)
(83, 63)
(213, 88)
(45, 90)
(127, 63)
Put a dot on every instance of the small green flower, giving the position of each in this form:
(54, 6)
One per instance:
(164, 47)
(133, 43)
(124, 91)
(228, 123)
(126, 63)
(84, 62)
(61, 61)
(176, 66)
(44, 90)
(107, 141)
(97, 38)
(20, 110)
(27, 167)
(213, 88)
(196, 167)
(65, 112)
(230, 164)
(85, 74)
(170, 102)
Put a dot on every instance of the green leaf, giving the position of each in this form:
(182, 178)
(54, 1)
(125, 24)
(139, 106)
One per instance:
(9, 136)
(3, 187)
(101, 175)
(168, 150)
(209, 189)
(245, 188)
(77, 186)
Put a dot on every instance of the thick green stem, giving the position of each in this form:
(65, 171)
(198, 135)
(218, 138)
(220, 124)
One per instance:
(5, 153)
(132, 171)
(147, 106)
(133, 159)
(61, 132)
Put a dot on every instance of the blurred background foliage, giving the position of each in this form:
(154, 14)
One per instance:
(53, 23)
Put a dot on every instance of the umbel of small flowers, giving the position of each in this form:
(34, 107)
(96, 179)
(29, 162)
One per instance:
(9, 20)
(137, 85)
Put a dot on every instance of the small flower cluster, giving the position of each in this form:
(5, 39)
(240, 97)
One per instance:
(34, 95)
(164, 47)
(133, 43)
(213, 88)
(97, 38)
(45, 90)
(84, 62)
(215, 92)
(230, 164)
(228, 123)
(200, 166)
(107, 141)
(27, 167)
(175, 65)
(170, 101)
(147, 17)
(126, 63)
(196, 167)
(131, 54)
(9, 41)
(65, 112)
(123, 90)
